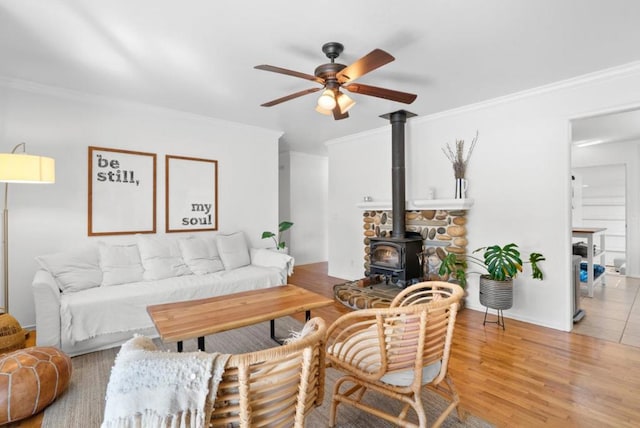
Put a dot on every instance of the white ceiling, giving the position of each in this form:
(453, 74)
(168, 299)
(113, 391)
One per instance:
(198, 55)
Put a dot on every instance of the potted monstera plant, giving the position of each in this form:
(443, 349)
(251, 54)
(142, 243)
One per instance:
(501, 264)
(280, 244)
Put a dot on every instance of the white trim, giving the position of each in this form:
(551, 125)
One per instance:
(598, 76)
(56, 91)
(442, 204)
(420, 204)
(601, 75)
(294, 153)
(357, 136)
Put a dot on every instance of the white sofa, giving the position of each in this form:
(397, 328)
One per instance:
(96, 297)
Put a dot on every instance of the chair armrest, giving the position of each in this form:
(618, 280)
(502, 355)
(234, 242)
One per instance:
(46, 296)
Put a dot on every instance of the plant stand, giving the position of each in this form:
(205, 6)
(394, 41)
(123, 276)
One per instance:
(500, 320)
(496, 295)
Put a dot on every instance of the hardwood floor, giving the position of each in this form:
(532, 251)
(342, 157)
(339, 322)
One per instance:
(526, 376)
(613, 313)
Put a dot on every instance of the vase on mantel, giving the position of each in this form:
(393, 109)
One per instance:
(461, 188)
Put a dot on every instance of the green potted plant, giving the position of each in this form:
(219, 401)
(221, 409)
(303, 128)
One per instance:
(502, 265)
(283, 226)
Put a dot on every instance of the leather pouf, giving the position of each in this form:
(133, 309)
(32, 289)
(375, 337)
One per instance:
(30, 379)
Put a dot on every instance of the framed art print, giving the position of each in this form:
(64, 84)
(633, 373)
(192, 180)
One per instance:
(191, 194)
(122, 192)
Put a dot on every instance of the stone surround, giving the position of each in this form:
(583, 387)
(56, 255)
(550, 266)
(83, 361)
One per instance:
(442, 231)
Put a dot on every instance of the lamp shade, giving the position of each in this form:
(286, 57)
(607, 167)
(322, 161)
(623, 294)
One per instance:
(23, 168)
(323, 110)
(327, 100)
(345, 102)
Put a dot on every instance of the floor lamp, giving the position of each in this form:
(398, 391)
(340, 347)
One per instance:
(19, 168)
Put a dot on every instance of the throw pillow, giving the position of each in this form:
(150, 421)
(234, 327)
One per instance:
(160, 258)
(120, 264)
(73, 270)
(201, 255)
(233, 250)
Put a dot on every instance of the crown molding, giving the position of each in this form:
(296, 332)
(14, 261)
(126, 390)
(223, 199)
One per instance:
(351, 137)
(612, 73)
(298, 154)
(71, 94)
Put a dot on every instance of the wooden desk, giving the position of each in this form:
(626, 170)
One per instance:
(191, 319)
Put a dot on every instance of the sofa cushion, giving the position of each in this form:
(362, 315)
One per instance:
(120, 264)
(73, 270)
(233, 250)
(200, 254)
(161, 258)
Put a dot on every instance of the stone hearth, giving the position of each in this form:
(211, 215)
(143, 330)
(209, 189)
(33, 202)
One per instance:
(442, 231)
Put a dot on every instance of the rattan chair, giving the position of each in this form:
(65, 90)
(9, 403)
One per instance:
(397, 351)
(273, 387)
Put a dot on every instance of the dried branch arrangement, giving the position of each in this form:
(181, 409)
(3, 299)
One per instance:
(457, 157)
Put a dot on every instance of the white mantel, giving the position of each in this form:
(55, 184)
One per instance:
(420, 204)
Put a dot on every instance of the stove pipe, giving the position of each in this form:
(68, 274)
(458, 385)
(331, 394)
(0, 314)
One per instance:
(398, 185)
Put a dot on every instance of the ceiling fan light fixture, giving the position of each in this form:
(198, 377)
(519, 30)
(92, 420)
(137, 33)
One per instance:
(327, 100)
(344, 102)
(334, 76)
(323, 110)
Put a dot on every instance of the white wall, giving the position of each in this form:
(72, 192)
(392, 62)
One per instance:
(62, 124)
(518, 175)
(627, 154)
(284, 184)
(307, 178)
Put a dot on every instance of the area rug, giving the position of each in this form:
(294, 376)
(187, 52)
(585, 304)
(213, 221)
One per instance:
(82, 405)
(362, 295)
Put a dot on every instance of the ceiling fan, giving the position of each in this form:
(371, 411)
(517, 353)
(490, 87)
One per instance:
(334, 76)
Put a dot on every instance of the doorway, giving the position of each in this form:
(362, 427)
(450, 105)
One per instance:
(599, 201)
(607, 141)
(605, 167)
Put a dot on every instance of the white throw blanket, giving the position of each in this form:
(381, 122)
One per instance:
(151, 388)
(90, 313)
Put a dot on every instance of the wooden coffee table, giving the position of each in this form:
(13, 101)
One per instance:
(191, 319)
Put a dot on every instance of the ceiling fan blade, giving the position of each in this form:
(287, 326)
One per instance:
(289, 73)
(374, 59)
(290, 97)
(338, 115)
(374, 91)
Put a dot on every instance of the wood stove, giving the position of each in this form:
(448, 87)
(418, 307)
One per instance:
(398, 258)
